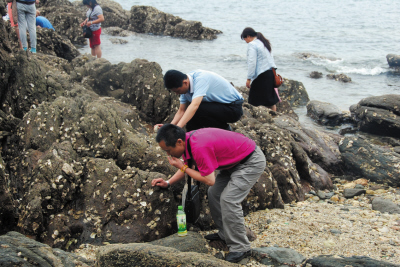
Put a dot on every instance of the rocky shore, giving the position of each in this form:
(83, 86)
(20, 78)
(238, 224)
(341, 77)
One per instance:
(78, 154)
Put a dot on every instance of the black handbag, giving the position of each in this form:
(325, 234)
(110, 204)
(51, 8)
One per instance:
(192, 201)
(87, 32)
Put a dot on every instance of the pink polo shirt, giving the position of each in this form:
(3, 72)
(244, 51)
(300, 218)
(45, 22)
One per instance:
(214, 149)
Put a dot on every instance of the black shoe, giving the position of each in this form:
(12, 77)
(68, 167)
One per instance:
(213, 237)
(237, 256)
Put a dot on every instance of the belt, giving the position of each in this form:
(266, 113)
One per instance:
(248, 156)
(26, 3)
(237, 102)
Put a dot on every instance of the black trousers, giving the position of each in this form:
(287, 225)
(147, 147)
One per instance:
(215, 115)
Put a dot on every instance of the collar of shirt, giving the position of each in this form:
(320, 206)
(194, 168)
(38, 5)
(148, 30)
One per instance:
(191, 83)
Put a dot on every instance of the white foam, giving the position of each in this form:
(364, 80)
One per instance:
(362, 71)
(325, 61)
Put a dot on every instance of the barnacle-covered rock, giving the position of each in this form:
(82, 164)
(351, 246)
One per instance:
(147, 19)
(376, 163)
(378, 115)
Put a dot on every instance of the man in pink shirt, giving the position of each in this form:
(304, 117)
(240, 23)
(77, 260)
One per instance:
(240, 162)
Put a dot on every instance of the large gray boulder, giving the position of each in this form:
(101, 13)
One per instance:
(50, 42)
(393, 60)
(376, 163)
(66, 23)
(378, 115)
(78, 182)
(139, 83)
(30, 82)
(326, 113)
(321, 148)
(19, 250)
(294, 92)
(147, 19)
(147, 255)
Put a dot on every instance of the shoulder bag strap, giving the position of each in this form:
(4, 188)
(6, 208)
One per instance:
(190, 161)
(91, 13)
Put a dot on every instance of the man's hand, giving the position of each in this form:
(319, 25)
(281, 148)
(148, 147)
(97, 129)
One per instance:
(157, 126)
(175, 162)
(159, 182)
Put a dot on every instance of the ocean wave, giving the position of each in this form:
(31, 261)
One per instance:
(230, 58)
(325, 61)
(362, 71)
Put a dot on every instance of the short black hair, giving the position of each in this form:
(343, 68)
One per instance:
(170, 133)
(174, 79)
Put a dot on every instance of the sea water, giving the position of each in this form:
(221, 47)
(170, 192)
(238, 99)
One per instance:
(343, 36)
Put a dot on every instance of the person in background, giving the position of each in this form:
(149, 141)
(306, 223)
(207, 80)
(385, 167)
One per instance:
(13, 13)
(94, 19)
(206, 100)
(260, 78)
(42, 22)
(240, 162)
(27, 18)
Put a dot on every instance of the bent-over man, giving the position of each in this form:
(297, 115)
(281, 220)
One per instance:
(240, 162)
(206, 100)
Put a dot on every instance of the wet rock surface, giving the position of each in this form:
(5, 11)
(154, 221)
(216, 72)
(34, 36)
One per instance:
(326, 113)
(118, 41)
(374, 162)
(293, 92)
(378, 115)
(152, 255)
(339, 77)
(19, 250)
(147, 19)
(393, 60)
(66, 23)
(277, 256)
(316, 75)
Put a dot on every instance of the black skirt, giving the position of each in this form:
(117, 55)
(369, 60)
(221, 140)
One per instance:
(262, 91)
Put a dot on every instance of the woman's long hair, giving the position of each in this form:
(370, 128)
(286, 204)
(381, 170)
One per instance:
(251, 32)
(91, 3)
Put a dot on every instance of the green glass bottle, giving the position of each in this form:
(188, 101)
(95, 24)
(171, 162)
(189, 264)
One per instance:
(181, 220)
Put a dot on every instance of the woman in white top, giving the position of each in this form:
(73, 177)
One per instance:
(94, 19)
(260, 78)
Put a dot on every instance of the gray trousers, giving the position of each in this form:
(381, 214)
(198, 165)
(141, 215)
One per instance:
(27, 18)
(225, 197)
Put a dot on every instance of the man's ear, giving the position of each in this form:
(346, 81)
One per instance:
(179, 142)
(186, 83)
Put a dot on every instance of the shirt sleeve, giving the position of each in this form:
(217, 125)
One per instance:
(206, 161)
(251, 61)
(182, 99)
(97, 11)
(39, 22)
(201, 86)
